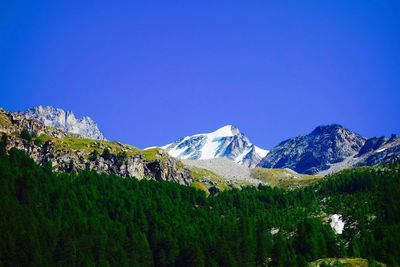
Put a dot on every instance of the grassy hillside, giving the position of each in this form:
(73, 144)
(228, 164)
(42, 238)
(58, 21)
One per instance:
(87, 146)
(284, 178)
(210, 179)
(346, 262)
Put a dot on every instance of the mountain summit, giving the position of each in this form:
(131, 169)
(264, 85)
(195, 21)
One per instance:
(226, 142)
(314, 152)
(65, 121)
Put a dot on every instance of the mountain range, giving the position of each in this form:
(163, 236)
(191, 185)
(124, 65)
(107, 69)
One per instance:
(326, 149)
(71, 143)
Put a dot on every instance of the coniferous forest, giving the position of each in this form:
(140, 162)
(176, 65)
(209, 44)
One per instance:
(90, 219)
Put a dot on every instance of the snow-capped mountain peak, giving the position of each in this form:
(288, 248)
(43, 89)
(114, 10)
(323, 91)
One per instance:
(66, 121)
(226, 131)
(226, 142)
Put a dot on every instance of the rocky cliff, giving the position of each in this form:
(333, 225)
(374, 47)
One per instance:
(67, 153)
(65, 121)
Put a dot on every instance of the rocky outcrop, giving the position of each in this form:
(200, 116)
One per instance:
(65, 121)
(378, 151)
(121, 159)
(372, 144)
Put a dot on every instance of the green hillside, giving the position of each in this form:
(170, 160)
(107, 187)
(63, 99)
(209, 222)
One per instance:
(284, 178)
(90, 219)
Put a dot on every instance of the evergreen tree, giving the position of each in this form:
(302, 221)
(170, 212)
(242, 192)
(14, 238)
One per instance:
(26, 135)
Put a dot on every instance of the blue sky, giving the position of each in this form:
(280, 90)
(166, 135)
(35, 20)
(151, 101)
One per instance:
(150, 72)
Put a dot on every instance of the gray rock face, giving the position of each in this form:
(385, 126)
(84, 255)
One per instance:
(226, 142)
(65, 121)
(226, 169)
(378, 151)
(314, 152)
(372, 144)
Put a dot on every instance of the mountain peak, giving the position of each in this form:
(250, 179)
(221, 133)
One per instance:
(316, 151)
(226, 131)
(66, 121)
(226, 142)
(327, 128)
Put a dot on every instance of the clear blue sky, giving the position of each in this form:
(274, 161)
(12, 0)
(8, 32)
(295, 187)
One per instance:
(150, 72)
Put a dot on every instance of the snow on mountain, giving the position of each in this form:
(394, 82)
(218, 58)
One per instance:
(66, 121)
(226, 142)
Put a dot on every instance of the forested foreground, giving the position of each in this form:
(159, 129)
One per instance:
(89, 219)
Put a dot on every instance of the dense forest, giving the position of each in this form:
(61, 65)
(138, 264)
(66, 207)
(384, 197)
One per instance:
(90, 219)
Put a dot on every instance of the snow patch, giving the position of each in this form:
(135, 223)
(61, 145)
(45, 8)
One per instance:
(261, 152)
(337, 223)
(274, 230)
(176, 151)
(240, 158)
(225, 131)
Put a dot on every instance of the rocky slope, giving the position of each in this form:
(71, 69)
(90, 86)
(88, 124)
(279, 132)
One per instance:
(284, 178)
(65, 121)
(376, 151)
(379, 151)
(331, 148)
(67, 153)
(226, 169)
(226, 142)
(235, 175)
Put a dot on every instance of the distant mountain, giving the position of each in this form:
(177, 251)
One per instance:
(314, 152)
(226, 142)
(65, 121)
(331, 148)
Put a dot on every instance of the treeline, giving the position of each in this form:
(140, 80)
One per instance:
(90, 219)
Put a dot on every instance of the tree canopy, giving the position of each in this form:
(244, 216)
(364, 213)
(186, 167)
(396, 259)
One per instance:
(91, 219)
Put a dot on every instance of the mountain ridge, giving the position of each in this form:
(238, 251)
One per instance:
(329, 148)
(326, 149)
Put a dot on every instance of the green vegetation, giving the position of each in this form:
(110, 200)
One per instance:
(90, 148)
(153, 154)
(40, 140)
(106, 154)
(211, 179)
(200, 186)
(4, 120)
(207, 176)
(26, 135)
(90, 219)
(284, 178)
(346, 262)
(94, 155)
